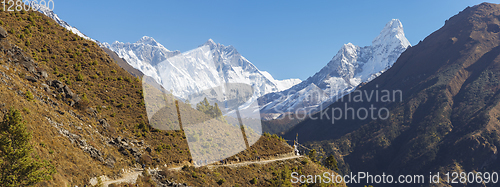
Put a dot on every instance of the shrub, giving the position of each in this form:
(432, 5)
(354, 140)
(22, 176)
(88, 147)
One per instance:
(253, 181)
(84, 103)
(79, 77)
(26, 110)
(78, 67)
(221, 181)
(29, 96)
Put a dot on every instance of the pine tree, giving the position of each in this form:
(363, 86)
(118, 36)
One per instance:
(212, 111)
(216, 111)
(313, 155)
(282, 177)
(17, 167)
(203, 106)
(331, 162)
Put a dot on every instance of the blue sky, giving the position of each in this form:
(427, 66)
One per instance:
(288, 38)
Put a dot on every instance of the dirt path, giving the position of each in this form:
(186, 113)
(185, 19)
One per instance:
(239, 164)
(130, 176)
(126, 178)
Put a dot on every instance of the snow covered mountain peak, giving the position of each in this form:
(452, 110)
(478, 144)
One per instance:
(392, 33)
(146, 50)
(351, 66)
(210, 42)
(220, 47)
(150, 41)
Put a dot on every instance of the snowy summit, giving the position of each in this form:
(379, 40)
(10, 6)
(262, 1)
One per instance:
(351, 66)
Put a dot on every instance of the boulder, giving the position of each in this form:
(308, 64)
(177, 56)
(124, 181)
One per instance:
(104, 123)
(110, 161)
(45, 87)
(135, 152)
(3, 33)
(123, 151)
(56, 84)
(28, 63)
(43, 74)
(32, 79)
(70, 94)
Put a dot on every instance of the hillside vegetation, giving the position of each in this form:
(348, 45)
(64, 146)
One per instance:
(87, 115)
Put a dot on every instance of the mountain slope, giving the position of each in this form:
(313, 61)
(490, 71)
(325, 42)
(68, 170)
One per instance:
(448, 116)
(351, 66)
